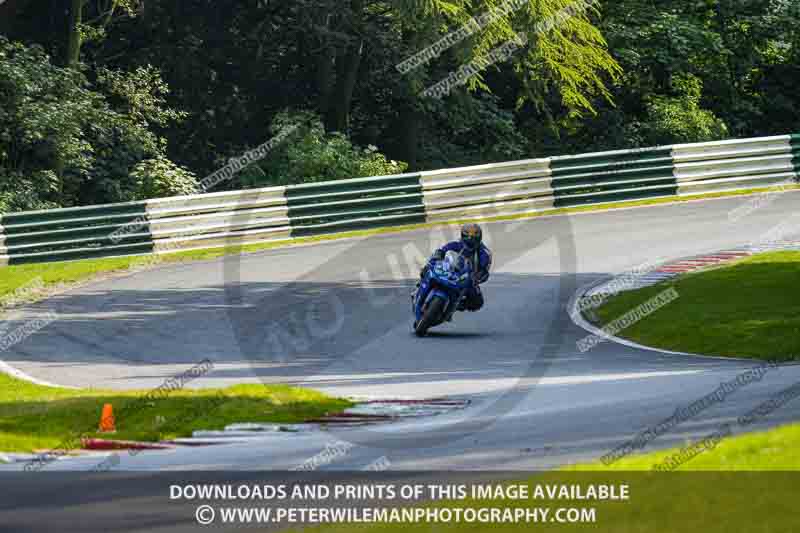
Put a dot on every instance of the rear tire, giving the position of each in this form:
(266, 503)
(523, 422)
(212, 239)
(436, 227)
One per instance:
(432, 314)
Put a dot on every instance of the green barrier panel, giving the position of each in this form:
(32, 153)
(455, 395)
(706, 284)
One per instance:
(603, 178)
(598, 178)
(353, 224)
(349, 185)
(357, 214)
(658, 155)
(617, 195)
(563, 192)
(410, 200)
(562, 168)
(92, 232)
(302, 198)
(318, 208)
(55, 215)
(81, 253)
(795, 143)
(115, 221)
(64, 245)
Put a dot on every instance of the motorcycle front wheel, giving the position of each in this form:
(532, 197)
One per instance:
(432, 315)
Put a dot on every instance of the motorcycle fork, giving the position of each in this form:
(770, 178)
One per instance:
(419, 296)
(452, 306)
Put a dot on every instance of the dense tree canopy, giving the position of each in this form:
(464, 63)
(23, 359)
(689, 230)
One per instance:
(113, 100)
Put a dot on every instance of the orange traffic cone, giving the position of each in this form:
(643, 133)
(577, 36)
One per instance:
(107, 424)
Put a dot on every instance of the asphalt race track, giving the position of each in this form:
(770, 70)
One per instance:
(336, 317)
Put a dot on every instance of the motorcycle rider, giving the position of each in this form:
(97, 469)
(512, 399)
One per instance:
(473, 250)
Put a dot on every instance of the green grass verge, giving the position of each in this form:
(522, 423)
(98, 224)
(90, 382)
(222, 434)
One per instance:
(34, 417)
(56, 275)
(772, 450)
(715, 500)
(746, 309)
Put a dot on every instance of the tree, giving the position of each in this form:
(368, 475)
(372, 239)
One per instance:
(64, 143)
(570, 58)
(103, 12)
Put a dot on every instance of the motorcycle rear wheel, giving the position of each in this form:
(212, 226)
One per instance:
(431, 316)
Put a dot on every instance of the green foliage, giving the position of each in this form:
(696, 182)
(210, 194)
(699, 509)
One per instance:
(472, 130)
(20, 192)
(566, 57)
(118, 145)
(126, 138)
(63, 143)
(160, 177)
(680, 119)
(311, 155)
(43, 119)
(140, 94)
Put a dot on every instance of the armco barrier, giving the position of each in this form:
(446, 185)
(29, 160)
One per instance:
(515, 187)
(326, 207)
(613, 176)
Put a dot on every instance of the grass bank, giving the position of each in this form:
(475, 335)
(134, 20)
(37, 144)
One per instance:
(772, 450)
(749, 309)
(713, 501)
(34, 417)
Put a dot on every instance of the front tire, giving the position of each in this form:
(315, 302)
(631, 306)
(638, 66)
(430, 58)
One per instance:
(432, 314)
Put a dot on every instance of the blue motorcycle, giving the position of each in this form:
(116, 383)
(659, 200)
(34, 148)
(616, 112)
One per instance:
(441, 289)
